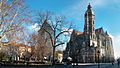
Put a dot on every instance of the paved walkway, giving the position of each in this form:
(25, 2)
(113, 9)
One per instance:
(68, 66)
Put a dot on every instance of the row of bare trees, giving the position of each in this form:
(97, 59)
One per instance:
(59, 27)
(40, 47)
(14, 14)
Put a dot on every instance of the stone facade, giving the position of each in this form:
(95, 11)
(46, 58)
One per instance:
(84, 46)
(45, 34)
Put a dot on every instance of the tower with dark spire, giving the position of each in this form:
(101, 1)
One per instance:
(84, 47)
(89, 26)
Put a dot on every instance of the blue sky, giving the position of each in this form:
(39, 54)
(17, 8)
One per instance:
(107, 14)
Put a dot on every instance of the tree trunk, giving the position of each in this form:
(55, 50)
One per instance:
(53, 60)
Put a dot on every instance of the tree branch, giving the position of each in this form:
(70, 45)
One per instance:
(59, 44)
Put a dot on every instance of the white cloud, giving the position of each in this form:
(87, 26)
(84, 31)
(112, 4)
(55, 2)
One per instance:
(111, 36)
(34, 27)
(62, 47)
(116, 43)
(67, 33)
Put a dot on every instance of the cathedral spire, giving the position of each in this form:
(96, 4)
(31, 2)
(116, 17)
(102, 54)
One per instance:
(89, 26)
(89, 6)
(46, 21)
(89, 10)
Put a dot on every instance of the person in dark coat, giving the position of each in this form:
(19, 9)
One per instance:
(118, 60)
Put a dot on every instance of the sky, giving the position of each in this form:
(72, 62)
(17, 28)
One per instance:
(107, 14)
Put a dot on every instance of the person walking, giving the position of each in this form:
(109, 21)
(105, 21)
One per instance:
(118, 61)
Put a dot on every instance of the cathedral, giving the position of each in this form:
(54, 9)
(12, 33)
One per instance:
(92, 45)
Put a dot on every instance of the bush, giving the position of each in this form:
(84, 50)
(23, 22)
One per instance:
(4, 56)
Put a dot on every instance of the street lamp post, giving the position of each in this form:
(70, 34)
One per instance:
(98, 59)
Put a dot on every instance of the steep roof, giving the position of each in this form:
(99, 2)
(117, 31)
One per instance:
(45, 26)
(74, 34)
(21, 45)
(89, 10)
(77, 32)
(100, 30)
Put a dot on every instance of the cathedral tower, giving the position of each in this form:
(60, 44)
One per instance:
(84, 47)
(89, 26)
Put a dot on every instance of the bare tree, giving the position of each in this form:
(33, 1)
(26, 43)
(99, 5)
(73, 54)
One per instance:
(33, 40)
(13, 15)
(59, 26)
(40, 48)
(19, 36)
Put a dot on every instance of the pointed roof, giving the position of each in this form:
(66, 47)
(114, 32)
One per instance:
(106, 33)
(89, 6)
(45, 26)
(46, 21)
(89, 10)
(99, 30)
(77, 32)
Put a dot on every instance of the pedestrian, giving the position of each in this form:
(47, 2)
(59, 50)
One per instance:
(65, 63)
(118, 63)
(112, 63)
(118, 60)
